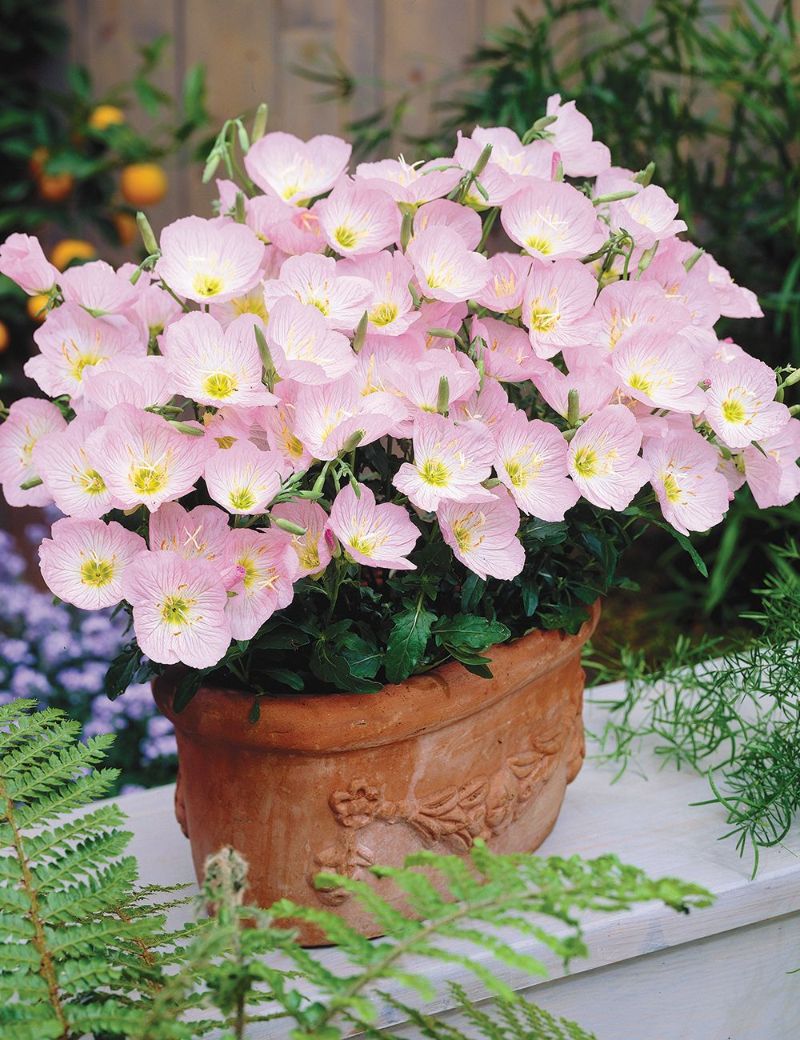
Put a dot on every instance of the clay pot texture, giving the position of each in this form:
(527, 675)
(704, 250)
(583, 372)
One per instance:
(339, 782)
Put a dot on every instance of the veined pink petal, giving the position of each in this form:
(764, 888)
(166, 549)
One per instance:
(84, 562)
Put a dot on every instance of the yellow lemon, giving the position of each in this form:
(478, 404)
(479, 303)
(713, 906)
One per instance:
(69, 249)
(143, 184)
(106, 115)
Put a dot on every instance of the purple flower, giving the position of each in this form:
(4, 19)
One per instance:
(27, 683)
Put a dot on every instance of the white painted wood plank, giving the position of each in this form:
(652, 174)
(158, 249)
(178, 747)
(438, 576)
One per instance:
(651, 954)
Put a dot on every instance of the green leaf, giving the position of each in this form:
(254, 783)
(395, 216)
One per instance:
(471, 631)
(123, 671)
(408, 639)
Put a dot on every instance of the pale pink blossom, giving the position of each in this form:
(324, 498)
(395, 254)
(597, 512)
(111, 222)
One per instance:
(178, 609)
(681, 287)
(648, 216)
(251, 303)
(84, 562)
(268, 567)
(444, 213)
(552, 219)
(734, 301)
(508, 154)
(338, 293)
(23, 261)
(72, 341)
(437, 315)
(294, 170)
(209, 261)
(419, 383)
(312, 549)
(356, 220)
(594, 386)
(740, 402)
(153, 307)
(330, 415)
(659, 369)
(143, 460)
(373, 535)
(772, 473)
(68, 466)
(413, 184)
(216, 366)
(390, 306)
(487, 406)
(302, 346)
(446, 269)
(98, 288)
(483, 534)
(243, 478)
(451, 461)
(557, 305)
(280, 426)
(145, 382)
(508, 273)
(300, 233)
(29, 420)
(506, 353)
(623, 305)
(531, 460)
(199, 533)
(571, 135)
(604, 458)
(683, 472)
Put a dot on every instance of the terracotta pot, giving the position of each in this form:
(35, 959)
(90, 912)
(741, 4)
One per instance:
(343, 781)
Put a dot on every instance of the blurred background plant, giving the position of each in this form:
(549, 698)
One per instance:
(60, 655)
(74, 167)
(711, 93)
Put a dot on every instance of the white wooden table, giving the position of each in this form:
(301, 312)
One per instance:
(717, 974)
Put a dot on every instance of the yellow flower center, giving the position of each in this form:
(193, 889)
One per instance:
(250, 305)
(242, 498)
(434, 472)
(346, 237)
(733, 411)
(539, 244)
(522, 473)
(175, 611)
(97, 573)
(384, 314)
(307, 553)
(219, 384)
(586, 462)
(672, 488)
(362, 544)
(225, 442)
(91, 482)
(543, 319)
(639, 381)
(207, 285)
(148, 480)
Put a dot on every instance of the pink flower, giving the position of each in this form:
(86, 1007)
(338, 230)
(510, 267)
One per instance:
(507, 354)
(143, 460)
(280, 423)
(268, 567)
(68, 466)
(294, 170)
(734, 300)
(178, 609)
(740, 402)
(489, 406)
(72, 341)
(572, 138)
(216, 366)
(552, 219)
(85, 561)
(508, 273)
(648, 216)
(594, 385)
(389, 307)
(29, 421)
(444, 213)
(209, 261)
(338, 293)
(604, 458)
(623, 305)
(509, 155)
(303, 347)
(683, 471)
(446, 269)
(419, 383)
(312, 549)
(450, 462)
(200, 533)
(531, 460)
(98, 288)
(153, 308)
(773, 474)
(557, 304)
(404, 182)
(483, 534)
(328, 416)
(243, 479)
(356, 220)
(23, 261)
(659, 369)
(144, 382)
(374, 535)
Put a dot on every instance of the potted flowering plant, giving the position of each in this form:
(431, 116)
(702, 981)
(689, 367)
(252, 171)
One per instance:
(359, 480)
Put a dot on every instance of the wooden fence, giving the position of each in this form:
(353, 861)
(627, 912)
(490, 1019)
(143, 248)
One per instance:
(250, 49)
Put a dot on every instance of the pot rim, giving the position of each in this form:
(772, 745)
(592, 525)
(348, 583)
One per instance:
(338, 722)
